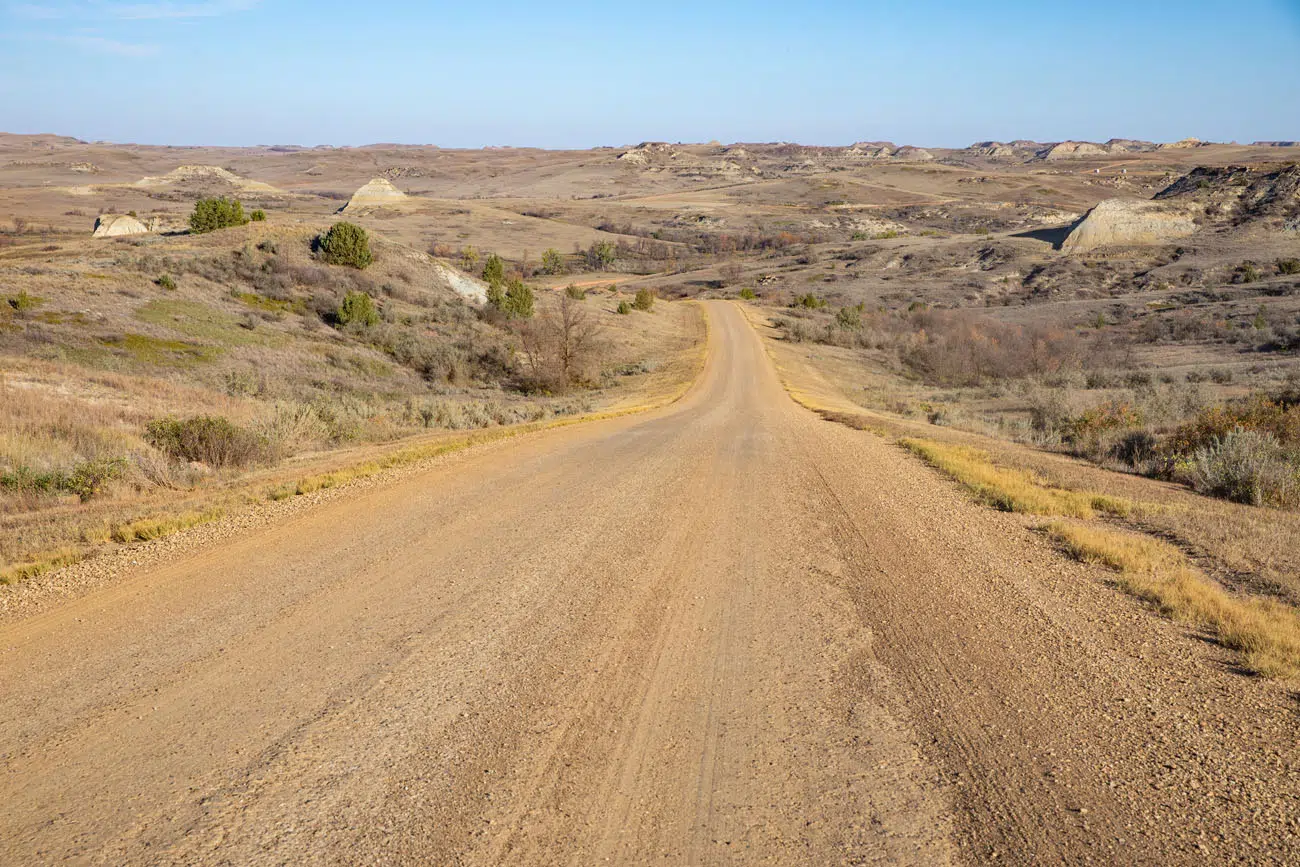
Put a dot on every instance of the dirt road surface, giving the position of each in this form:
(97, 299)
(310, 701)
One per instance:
(726, 632)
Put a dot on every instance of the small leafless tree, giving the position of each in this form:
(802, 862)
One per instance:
(562, 345)
(731, 273)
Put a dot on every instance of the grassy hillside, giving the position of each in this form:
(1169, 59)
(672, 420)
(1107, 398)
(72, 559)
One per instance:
(151, 370)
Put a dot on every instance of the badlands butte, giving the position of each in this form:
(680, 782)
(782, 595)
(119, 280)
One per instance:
(756, 503)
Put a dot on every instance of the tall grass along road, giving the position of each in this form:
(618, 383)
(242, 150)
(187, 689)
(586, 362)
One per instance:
(725, 631)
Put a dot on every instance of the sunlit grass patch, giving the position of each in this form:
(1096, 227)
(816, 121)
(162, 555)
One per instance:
(1266, 633)
(151, 350)
(198, 321)
(39, 565)
(1008, 489)
(145, 529)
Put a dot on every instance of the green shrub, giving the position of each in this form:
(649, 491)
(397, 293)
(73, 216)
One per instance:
(849, 318)
(258, 216)
(208, 439)
(1246, 272)
(1244, 466)
(1288, 266)
(357, 307)
(747, 294)
(88, 478)
(577, 293)
(22, 479)
(211, 214)
(166, 281)
(552, 261)
(624, 308)
(23, 301)
(518, 302)
(346, 244)
(810, 301)
(601, 255)
(645, 300)
(513, 298)
(494, 270)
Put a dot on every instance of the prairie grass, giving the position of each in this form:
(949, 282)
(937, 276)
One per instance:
(1011, 490)
(40, 564)
(1265, 632)
(145, 529)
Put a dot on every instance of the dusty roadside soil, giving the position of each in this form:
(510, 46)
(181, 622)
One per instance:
(723, 632)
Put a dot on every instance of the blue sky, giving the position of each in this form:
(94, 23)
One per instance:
(579, 74)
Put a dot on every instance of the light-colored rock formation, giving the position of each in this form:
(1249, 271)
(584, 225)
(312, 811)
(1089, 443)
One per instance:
(649, 151)
(1001, 151)
(1073, 150)
(206, 175)
(375, 194)
(1184, 144)
(1129, 145)
(472, 290)
(872, 150)
(1117, 222)
(114, 225)
(907, 152)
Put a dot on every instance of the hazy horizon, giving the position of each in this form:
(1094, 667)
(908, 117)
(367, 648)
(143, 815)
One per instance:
(619, 146)
(933, 74)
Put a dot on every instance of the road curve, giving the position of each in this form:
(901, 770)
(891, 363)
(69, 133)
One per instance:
(722, 632)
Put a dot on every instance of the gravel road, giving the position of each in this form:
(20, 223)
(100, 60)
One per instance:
(725, 632)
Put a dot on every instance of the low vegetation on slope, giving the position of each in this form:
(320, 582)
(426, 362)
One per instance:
(158, 367)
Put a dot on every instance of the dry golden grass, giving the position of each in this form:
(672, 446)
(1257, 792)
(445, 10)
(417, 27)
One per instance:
(145, 529)
(1258, 547)
(1011, 490)
(1266, 633)
(1263, 544)
(39, 564)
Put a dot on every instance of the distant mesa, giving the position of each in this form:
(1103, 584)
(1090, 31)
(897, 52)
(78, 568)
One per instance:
(206, 176)
(997, 150)
(1183, 144)
(377, 193)
(1082, 149)
(872, 150)
(908, 152)
(1276, 144)
(648, 151)
(115, 225)
(1030, 151)
(1073, 150)
(1128, 222)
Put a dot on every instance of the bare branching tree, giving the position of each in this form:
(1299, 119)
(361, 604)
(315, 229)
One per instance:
(562, 346)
